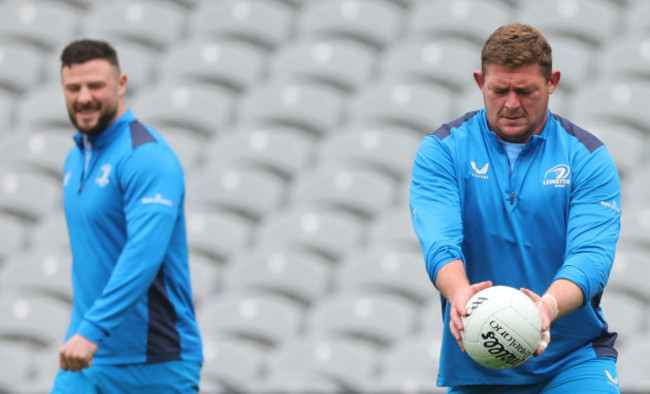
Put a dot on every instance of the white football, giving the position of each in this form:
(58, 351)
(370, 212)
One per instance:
(502, 328)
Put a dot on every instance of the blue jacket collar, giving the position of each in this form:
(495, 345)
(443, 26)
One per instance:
(533, 141)
(105, 137)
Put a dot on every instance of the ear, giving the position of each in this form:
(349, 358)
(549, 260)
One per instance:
(478, 77)
(553, 81)
(121, 83)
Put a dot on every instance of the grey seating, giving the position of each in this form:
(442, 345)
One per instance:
(373, 23)
(232, 64)
(43, 108)
(217, 233)
(21, 67)
(249, 192)
(231, 363)
(17, 361)
(410, 365)
(592, 21)
(441, 61)
(416, 106)
(40, 321)
(316, 230)
(319, 365)
(362, 192)
(392, 272)
(466, 20)
(389, 150)
(315, 109)
(378, 319)
(50, 232)
(635, 49)
(138, 22)
(301, 276)
(621, 102)
(267, 24)
(28, 194)
(344, 64)
(39, 272)
(13, 235)
(41, 151)
(281, 150)
(264, 320)
(45, 25)
(203, 109)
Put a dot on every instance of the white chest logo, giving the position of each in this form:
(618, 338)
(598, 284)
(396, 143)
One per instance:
(558, 176)
(480, 173)
(102, 180)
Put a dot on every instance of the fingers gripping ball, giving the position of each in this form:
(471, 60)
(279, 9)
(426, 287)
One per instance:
(502, 328)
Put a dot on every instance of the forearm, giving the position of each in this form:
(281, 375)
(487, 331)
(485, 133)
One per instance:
(567, 294)
(451, 278)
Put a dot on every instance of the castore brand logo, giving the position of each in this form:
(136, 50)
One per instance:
(480, 173)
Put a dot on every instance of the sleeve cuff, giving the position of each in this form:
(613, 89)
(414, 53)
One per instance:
(91, 332)
(579, 277)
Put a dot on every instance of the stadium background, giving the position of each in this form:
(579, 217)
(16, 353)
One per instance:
(296, 122)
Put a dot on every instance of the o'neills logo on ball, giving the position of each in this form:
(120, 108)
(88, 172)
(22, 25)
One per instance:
(492, 342)
(475, 304)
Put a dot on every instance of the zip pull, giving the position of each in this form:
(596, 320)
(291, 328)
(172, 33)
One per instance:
(512, 197)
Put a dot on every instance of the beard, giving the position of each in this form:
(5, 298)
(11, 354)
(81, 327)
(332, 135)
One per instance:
(105, 120)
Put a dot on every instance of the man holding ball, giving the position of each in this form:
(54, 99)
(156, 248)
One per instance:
(516, 195)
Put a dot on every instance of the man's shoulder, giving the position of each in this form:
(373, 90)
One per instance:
(446, 129)
(578, 134)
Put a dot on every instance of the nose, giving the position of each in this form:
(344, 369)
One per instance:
(512, 101)
(84, 95)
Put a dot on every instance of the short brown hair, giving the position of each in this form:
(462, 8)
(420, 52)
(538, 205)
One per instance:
(515, 45)
(84, 50)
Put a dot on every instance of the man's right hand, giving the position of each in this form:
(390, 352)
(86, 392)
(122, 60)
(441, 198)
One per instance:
(458, 302)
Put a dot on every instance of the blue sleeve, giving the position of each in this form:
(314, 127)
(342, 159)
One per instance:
(435, 205)
(594, 224)
(153, 187)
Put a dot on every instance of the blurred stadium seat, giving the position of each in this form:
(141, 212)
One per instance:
(358, 191)
(44, 24)
(13, 235)
(419, 107)
(388, 150)
(303, 277)
(264, 320)
(36, 320)
(28, 194)
(231, 363)
(266, 24)
(325, 232)
(378, 319)
(21, 67)
(249, 192)
(321, 365)
(41, 151)
(203, 109)
(316, 109)
(135, 21)
(233, 65)
(467, 20)
(282, 150)
(592, 21)
(439, 61)
(373, 23)
(217, 233)
(343, 64)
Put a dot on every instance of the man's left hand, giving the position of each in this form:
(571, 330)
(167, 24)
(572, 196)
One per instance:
(77, 353)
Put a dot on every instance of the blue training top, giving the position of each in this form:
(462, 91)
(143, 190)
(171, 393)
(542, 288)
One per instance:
(126, 221)
(557, 216)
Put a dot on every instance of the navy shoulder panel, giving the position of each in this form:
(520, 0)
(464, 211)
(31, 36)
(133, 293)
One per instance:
(590, 141)
(444, 131)
(139, 134)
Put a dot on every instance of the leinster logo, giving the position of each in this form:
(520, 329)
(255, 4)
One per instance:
(558, 176)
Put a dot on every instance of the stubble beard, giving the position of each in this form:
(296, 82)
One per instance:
(105, 120)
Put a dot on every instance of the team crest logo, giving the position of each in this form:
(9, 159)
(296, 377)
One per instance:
(102, 180)
(558, 176)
